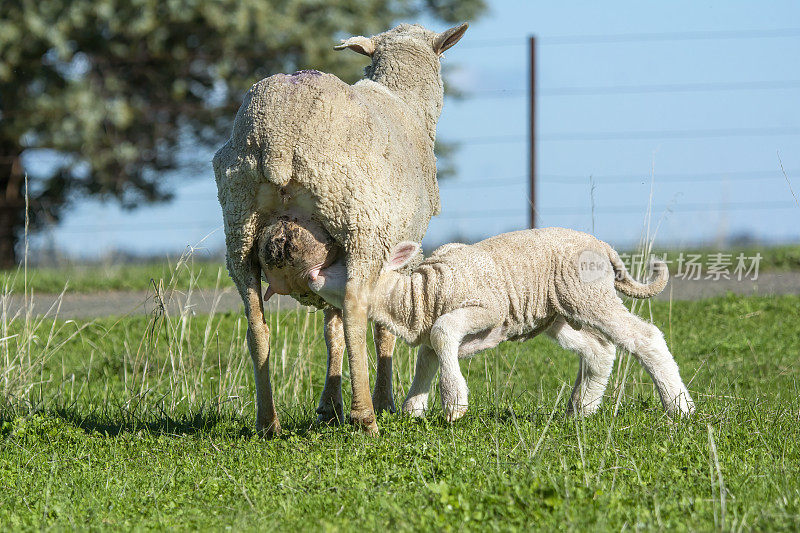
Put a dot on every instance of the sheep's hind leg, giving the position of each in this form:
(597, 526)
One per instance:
(248, 281)
(646, 342)
(382, 398)
(331, 407)
(416, 402)
(596, 362)
(447, 334)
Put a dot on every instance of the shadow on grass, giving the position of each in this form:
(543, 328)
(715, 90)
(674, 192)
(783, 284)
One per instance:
(208, 420)
(205, 420)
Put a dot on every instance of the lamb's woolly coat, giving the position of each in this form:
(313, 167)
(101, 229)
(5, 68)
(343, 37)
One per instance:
(514, 286)
(358, 159)
(523, 280)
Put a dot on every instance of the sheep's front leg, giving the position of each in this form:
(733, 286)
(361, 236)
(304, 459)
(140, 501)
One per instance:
(355, 337)
(446, 336)
(382, 398)
(248, 281)
(331, 407)
(416, 403)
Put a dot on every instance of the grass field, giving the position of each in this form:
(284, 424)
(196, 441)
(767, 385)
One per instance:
(208, 274)
(119, 276)
(147, 423)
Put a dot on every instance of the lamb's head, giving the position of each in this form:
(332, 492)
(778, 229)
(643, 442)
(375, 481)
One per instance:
(406, 60)
(329, 282)
(291, 251)
(401, 255)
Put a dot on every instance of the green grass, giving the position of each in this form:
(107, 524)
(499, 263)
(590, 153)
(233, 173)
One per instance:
(118, 276)
(147, 423)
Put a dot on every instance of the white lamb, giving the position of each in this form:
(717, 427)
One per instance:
(464, 299)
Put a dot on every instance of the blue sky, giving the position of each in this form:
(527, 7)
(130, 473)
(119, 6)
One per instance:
(705, 114)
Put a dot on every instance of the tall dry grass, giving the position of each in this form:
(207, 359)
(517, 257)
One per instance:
(176, 361)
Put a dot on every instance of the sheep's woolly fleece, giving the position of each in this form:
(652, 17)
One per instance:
(359, 158)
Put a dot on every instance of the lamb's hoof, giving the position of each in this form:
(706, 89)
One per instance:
(682, 406)
(268, 430)
(575, 410)
(383, 404)
(365, 420)
(576, 413)
(332, 414)
(415, 406)
(454, 411)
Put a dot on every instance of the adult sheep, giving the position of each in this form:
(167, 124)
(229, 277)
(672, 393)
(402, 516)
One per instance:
(356, 159)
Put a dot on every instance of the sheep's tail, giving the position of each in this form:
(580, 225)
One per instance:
(625, 284)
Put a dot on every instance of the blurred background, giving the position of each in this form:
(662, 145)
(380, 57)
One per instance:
(114, 108)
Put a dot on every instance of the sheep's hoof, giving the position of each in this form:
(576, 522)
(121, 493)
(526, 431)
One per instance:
(383, 404)
(415, 406)
(365, 420)
(332, 414)
(268, 430)
(453, 411)
(574, 412)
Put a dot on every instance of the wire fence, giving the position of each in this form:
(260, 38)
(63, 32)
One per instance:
(545, 180)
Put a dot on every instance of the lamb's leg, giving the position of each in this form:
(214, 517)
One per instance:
(446, 335)
(382, 398)
(355, 337)
(416, 402)
(647, 344)
(331, 407)
(247, 276)
(596, 362)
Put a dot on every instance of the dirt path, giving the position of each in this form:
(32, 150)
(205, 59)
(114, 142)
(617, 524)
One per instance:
(205, 301)
(118, 303)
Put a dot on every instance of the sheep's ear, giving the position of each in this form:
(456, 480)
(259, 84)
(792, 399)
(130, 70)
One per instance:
(362, 45)
(402, 254)
(448, 38)
(269, 293)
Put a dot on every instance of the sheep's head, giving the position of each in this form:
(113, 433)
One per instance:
(405, 37)
(405, 60)
(291, 251)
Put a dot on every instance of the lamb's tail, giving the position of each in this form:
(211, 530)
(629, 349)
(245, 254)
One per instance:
(625, 284)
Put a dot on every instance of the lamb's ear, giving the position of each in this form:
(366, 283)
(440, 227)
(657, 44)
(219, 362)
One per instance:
(448, 38)
(402, 254)
(362, 45)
